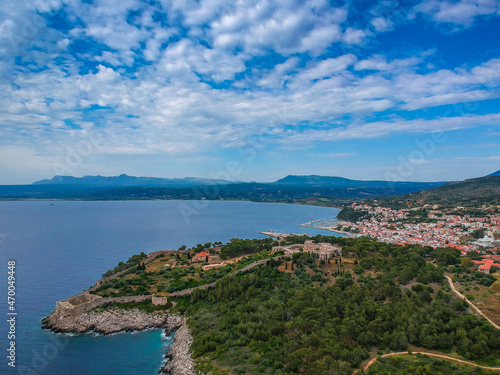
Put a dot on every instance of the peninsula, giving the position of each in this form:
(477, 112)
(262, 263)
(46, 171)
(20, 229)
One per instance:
(299, 305)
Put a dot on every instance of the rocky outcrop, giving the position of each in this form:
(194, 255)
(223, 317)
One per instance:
(179, 359)
(78, 312)
(104, 321)
(114, 319)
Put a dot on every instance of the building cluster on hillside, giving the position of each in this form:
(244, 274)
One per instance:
(393, 226)
(487, 262)
(322, 249)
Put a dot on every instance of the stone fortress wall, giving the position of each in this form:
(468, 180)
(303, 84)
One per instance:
(82, 302)
(85, 301)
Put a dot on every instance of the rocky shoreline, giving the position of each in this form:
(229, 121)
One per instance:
(104, 322)
(114, 320)
(179, 359)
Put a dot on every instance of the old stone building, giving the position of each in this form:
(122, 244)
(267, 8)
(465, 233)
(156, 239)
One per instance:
(323, 249)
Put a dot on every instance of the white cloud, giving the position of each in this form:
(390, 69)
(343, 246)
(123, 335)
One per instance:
(279, 74)
(286, 28)
(379, 62)
(203, 91)
(353, 36)
(380, 128)
(462, 12)
(324, 69)
(381, 24)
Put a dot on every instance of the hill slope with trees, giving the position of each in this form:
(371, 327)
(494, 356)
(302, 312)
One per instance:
(468, 193)
(304, 315)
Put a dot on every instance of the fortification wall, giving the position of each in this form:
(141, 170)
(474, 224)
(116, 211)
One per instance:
(158, 301)
(82, 298)
(185, 292)
(93, 301)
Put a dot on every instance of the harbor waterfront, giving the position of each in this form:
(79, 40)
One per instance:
(67, 246)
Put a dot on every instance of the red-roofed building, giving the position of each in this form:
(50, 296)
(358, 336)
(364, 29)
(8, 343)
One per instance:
(201, 257)
(486, 264)
(485, 268)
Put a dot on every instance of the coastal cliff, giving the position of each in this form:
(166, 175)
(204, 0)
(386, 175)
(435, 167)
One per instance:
(75, 316)
(79, 314)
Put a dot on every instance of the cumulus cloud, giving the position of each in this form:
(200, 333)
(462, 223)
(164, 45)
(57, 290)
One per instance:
(381, 24)
(353, 36)
(383, 128)
(188, 77)
(462, 12)
(380, 63)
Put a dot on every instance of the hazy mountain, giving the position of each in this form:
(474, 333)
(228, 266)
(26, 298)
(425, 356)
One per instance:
(130, 181)
(497, 173)
(340, 182)
(310, 189)
(470, 192)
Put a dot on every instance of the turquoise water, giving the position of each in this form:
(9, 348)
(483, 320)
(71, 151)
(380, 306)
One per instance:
(61, 250)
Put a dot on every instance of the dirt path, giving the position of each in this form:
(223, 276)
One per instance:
(460, 295)
(373, 360)
(469, 302)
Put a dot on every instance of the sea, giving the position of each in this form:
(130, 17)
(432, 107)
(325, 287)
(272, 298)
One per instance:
(60, 248)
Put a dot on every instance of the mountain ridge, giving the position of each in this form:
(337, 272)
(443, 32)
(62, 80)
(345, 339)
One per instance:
(124, 180)
(497, 173)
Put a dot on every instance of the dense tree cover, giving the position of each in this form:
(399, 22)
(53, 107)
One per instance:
(132, 261)
(270, 322)
(168, 280)
(363, 246)
(350, 214)
(468, 277)
(137, 281)
(423, 365)
(238, 247)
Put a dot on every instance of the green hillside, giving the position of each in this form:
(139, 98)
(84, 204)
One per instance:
(468, 193)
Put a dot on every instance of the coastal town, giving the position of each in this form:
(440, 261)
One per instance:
(426, 226)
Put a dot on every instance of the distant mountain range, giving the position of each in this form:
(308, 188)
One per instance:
(314, 181)
(308, 181)
(128, 181)
(497, 173)
(310, 189)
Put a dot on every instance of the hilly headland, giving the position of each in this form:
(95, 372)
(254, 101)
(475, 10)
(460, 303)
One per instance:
(299, 304)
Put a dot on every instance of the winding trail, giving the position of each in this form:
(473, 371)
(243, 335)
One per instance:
(469, 302)
(373, 360)
(460, 295)
(477, 310)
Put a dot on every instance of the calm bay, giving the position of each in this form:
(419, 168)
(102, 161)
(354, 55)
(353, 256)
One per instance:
(63, 247)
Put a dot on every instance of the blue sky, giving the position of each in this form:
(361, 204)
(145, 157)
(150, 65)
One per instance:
(250, 90)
